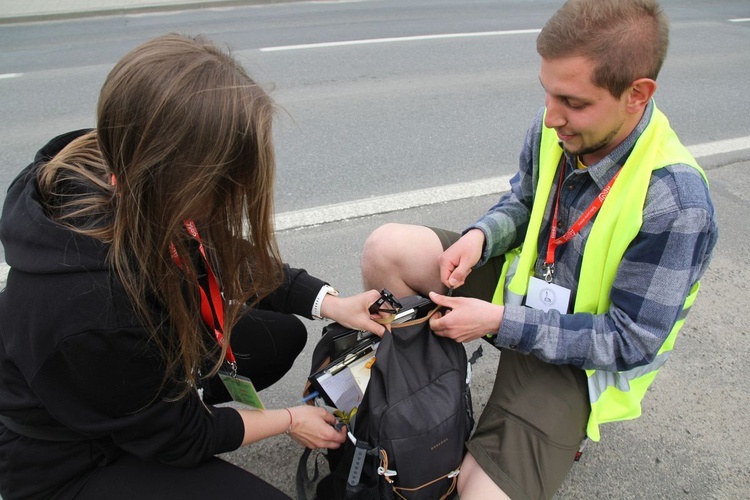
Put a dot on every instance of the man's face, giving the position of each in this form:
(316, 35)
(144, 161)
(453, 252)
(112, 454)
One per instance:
(588, 120)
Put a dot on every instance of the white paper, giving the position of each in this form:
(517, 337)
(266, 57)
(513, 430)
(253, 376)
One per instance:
(343, 389)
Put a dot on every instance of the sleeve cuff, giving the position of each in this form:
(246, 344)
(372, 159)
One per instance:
(485, 248)
(230, 420)
(515, 331)
(303, 293)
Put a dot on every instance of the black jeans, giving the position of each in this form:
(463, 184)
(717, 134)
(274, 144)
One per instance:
(130, 478)
(265, 345)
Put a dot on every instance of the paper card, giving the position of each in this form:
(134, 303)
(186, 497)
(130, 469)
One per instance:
(242, 390)
(545, 296)
(343, 382)
(342, 388)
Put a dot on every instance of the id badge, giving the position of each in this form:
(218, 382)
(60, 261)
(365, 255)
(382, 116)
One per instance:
(545, 296)
(242, 390)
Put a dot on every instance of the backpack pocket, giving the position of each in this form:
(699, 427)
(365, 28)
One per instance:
(423, 438)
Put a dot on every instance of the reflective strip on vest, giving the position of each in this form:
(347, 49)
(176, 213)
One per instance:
(512, 298)
(600, 380)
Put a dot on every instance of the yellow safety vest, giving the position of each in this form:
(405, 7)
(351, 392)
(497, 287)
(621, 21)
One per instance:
(613, 395)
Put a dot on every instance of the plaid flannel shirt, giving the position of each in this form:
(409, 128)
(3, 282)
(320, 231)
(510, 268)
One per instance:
(669, 254)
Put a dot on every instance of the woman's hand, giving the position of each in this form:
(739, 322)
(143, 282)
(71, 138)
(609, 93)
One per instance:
(353, 312)
(312, 427)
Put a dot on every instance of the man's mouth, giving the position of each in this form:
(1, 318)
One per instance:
(564, 137)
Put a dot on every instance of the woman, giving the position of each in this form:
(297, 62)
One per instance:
(143, 262)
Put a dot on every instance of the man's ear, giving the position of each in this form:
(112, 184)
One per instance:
(640, 93)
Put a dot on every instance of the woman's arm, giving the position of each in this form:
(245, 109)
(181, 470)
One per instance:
(310, 426)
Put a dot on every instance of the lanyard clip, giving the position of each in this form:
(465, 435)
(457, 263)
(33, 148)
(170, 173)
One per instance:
(549, 272)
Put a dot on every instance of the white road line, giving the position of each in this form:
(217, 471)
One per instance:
(10, 75)
(390, 203)
(396, 39)
(720, 147)
(740, 20)
(430, 196)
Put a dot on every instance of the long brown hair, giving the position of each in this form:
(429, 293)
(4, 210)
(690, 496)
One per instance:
(625, 39)
(185, 134)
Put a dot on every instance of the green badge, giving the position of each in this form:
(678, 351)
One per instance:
(242, 390)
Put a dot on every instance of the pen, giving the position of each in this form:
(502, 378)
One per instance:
(310, 396)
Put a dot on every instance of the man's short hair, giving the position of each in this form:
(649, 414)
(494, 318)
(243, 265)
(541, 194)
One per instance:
(625, 39)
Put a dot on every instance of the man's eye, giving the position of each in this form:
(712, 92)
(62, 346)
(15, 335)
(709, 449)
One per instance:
(574, 104)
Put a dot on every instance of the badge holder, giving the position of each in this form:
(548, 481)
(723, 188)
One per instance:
(241, 389)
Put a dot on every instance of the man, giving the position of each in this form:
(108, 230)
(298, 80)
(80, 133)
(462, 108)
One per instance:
(582, 274)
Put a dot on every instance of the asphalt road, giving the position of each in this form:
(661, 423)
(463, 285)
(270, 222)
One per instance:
(362, 121)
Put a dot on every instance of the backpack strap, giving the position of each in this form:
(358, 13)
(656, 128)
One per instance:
(387, 474)
(358, 463)
(303, 479)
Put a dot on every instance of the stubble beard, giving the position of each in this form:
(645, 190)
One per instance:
(586, 150)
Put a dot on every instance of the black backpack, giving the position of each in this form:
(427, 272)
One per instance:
(413, 421)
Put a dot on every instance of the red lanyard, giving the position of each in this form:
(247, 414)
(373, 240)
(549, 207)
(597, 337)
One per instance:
(213, 305)
(586, 216)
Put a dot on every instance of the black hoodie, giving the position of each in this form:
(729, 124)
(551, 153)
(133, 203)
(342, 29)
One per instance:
(73, 355)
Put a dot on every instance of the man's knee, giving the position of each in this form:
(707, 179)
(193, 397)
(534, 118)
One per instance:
(381, 241)
(382, 248)
(402, 258)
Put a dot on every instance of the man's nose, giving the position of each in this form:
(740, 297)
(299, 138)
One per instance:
(554, 117)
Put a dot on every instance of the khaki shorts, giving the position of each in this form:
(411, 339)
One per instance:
(535, 419)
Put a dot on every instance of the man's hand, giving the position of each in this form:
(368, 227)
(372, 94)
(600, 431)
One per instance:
(456, 262)
(466, 319)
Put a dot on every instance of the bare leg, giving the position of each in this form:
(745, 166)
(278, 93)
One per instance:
(402, 258)
(474, 483)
